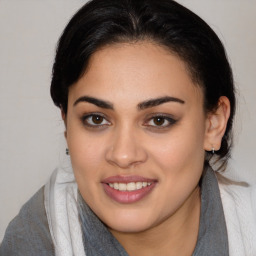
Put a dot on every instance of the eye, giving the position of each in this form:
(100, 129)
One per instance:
(95, 120)
(160, 121)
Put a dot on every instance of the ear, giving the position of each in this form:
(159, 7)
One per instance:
(64, 118)
(216, 123)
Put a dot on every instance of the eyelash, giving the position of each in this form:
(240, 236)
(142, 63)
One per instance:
(85, 119)
(168, 121)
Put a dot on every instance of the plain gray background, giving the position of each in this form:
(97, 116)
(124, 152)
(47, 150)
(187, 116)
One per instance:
(31, 130)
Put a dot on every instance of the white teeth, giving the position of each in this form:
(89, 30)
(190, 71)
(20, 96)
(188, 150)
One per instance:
(129, 186)
(122, 186)
(139, 185)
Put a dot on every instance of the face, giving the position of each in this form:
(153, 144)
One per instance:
(136, 133)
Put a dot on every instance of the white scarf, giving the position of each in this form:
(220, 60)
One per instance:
(62, 214)
(239, 203)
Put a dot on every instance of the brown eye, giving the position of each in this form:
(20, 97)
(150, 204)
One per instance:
(94, 120)
(97, 119)
(158, 121)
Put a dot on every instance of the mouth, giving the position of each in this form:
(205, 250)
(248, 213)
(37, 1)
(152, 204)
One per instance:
(128, 189)
(131, 186)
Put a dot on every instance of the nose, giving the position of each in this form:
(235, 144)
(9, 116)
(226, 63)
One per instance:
(125, 150)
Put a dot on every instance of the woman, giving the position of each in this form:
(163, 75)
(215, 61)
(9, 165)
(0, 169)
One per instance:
(147, 97)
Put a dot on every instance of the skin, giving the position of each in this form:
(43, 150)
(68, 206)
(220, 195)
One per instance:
(129, 141)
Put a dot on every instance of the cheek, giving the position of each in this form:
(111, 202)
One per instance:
(86, 153)
(86, 156)
(182, 148)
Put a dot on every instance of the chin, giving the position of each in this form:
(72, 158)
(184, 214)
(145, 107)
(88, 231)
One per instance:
(128, 227)
(132, 222)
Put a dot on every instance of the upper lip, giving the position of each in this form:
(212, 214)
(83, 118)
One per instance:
(127, 179)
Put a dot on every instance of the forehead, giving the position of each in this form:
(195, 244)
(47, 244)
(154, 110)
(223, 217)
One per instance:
(136, 71)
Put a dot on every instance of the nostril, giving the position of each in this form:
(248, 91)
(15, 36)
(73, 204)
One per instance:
(126, 157)
(124, 149)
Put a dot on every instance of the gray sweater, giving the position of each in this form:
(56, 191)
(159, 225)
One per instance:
(28, 234)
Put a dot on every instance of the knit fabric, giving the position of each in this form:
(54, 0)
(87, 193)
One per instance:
(212, 237)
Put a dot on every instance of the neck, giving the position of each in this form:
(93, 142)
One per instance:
(177, 235)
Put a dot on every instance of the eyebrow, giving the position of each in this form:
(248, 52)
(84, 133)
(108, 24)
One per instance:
(143, 105)
(97, 102)
(158, 101)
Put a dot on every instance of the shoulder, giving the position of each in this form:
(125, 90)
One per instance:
(241, 194)
(239, 199)
(28, 233)
(239, 204)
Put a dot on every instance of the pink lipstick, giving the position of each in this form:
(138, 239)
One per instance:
(128, 189)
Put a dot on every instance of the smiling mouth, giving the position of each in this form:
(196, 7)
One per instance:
(131, 186)
(128, 189)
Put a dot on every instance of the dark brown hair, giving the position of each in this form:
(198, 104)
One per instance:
(101, 22)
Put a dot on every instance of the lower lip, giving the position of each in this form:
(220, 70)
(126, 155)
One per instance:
(128, 197)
